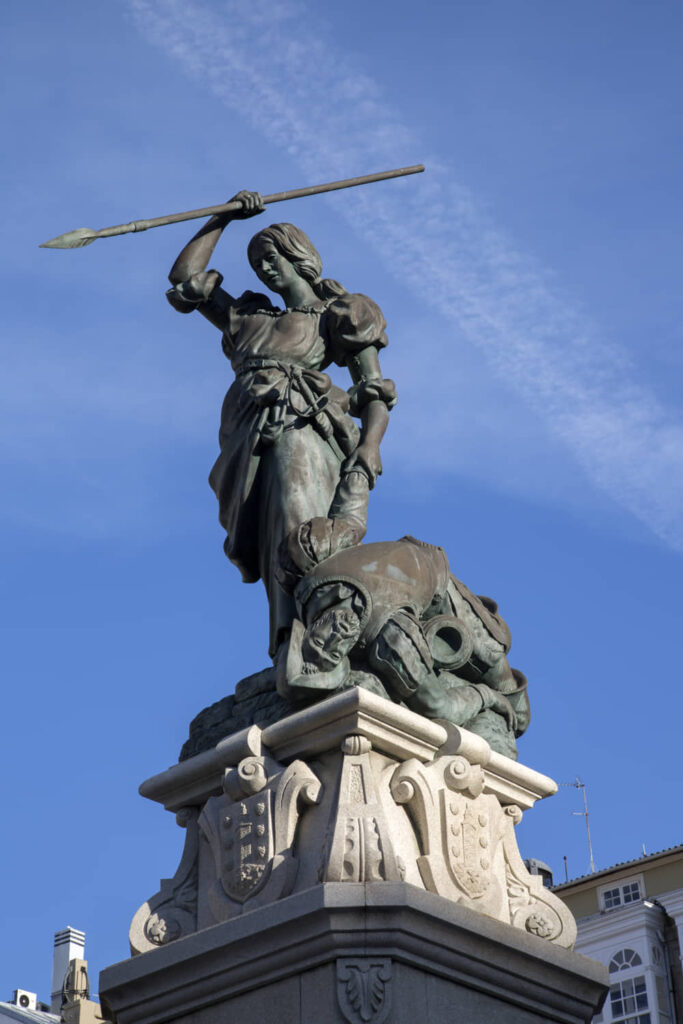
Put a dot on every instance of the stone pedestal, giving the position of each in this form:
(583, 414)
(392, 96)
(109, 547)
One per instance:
(352, 862)
(358, 953)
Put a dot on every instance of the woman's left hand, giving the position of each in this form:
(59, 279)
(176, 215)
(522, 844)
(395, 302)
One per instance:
(366, 458)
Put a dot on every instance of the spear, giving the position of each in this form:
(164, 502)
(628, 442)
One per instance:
(84, 236)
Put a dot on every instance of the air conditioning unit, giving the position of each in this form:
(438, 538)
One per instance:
(26, 1000)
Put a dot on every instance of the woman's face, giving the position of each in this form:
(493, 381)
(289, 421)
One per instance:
(274, 269)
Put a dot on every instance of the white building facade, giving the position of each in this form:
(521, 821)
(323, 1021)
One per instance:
(630, 918)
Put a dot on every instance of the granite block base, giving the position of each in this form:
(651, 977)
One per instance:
(358, 953)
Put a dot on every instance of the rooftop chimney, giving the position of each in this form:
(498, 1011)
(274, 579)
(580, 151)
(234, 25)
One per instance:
(69, 945)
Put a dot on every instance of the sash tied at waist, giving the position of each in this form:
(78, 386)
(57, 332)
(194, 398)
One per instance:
(288, 394)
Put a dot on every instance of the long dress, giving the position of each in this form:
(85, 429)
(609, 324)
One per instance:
(285, 429)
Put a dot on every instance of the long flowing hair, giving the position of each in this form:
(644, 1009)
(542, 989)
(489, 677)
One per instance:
(292, 243)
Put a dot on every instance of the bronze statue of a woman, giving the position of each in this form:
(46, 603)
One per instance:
(290, 453)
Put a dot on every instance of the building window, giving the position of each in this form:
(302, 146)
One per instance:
(630, 892)
(628, 1001)
(611, 898)
(621, 895)
(623, 960)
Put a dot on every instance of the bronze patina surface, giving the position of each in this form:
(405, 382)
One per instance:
(298, 458)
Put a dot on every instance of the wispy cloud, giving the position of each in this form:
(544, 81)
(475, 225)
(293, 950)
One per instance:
(330, 117)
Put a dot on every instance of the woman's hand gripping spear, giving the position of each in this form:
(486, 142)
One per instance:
(81, 237)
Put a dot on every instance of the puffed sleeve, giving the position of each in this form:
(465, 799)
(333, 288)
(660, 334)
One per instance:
(203, 292)
(197, 291)
(354, 322)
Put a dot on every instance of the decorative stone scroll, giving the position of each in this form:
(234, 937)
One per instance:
(172, 912)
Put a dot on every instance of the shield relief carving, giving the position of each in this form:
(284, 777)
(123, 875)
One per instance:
(468, 847)
(467, 842)
(458, 827)
(250, 832)
(247, 846)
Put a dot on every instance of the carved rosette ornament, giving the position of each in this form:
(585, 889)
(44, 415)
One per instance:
(364, 989)
(250, 832)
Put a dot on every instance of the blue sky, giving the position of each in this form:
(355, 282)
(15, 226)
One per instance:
(531, 284)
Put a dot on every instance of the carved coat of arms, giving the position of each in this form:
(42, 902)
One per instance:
(247, 846)
(458, 827)
(250, 831)
(468, 850)
(467, 839)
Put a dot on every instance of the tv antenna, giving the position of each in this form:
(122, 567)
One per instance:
(578, 784)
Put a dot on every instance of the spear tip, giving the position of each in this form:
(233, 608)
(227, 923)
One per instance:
(71, 240)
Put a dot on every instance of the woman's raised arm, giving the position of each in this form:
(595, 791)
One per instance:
(195, 256)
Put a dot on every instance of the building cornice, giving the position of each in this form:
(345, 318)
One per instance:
(618, 871)
(610, 924)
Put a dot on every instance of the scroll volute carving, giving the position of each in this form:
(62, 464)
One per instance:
(172, 912)
(532, 907)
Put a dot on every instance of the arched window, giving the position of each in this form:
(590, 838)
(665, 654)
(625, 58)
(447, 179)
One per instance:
(623, 960)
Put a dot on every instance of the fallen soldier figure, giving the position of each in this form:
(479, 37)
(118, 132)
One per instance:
(391, 617)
